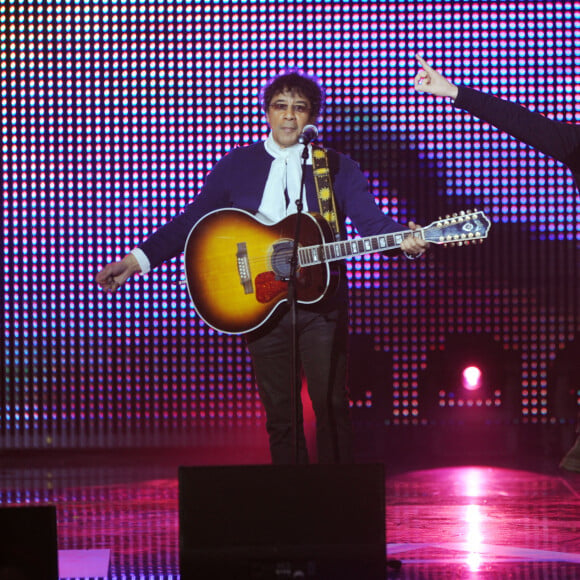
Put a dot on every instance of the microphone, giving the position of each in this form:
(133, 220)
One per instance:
(309, 133)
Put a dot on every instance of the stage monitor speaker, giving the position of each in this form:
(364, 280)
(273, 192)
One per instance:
(261, 522)
(28, 543)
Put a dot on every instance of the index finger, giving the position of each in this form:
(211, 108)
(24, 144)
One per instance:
(423, 62)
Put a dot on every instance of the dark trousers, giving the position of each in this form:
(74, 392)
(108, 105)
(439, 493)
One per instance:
(322, 351)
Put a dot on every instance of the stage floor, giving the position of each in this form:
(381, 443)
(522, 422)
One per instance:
(454, 521)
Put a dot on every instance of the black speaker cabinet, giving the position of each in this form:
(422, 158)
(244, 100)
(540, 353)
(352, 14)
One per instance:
(28, 543)
(274, 522)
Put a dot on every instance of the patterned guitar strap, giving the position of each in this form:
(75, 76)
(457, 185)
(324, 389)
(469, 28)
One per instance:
(324, 190)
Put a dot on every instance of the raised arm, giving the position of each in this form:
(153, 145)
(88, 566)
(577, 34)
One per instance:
(554, 138)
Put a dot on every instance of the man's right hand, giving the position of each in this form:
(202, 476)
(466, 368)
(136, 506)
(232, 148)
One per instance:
(428, 80)
(114, 275)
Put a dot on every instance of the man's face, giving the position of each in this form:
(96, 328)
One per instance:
(288, 113)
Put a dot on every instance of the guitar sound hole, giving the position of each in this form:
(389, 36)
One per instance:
(281, 257)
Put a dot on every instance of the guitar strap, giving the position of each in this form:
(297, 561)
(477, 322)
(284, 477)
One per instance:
(324, 190)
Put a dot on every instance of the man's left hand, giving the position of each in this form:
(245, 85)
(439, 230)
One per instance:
(414, 246)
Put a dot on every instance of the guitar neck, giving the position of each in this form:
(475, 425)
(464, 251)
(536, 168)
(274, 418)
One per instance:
(330, 252)
(458, 229)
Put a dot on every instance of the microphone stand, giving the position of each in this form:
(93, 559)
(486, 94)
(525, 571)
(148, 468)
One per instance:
(292, 299)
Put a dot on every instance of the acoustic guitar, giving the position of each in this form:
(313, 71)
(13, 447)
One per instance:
(237, 267)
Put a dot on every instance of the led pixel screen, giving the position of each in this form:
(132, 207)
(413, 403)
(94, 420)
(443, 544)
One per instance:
(113, 112)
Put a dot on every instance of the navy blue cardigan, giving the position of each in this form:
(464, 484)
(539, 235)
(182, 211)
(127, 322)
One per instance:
(238, 181)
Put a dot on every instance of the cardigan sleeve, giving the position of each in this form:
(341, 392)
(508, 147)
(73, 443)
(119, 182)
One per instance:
(237, 180)
(354, 200)
(556, 139)
(169, 240)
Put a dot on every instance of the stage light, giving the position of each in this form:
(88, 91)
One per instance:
(472, 378)
(470, 388)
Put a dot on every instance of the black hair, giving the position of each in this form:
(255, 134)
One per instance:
(295, 80)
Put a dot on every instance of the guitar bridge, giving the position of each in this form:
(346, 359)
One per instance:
(244, 268)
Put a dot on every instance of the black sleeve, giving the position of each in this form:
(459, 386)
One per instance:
(556, 139)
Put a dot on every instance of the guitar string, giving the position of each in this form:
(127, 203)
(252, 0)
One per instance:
(286, 255)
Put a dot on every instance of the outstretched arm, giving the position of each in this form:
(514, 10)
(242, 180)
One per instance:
(428, 80)
(114, 275)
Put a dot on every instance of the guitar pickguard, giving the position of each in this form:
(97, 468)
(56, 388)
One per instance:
(269, 286)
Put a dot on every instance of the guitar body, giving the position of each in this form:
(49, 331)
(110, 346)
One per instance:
(236, 267)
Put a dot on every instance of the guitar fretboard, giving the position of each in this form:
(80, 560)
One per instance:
(312, 255)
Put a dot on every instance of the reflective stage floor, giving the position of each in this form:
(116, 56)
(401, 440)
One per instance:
(454, 521)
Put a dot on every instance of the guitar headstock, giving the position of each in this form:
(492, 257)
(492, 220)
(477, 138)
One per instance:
(458, 229)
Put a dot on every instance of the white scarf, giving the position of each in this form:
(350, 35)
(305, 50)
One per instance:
(285, 174)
